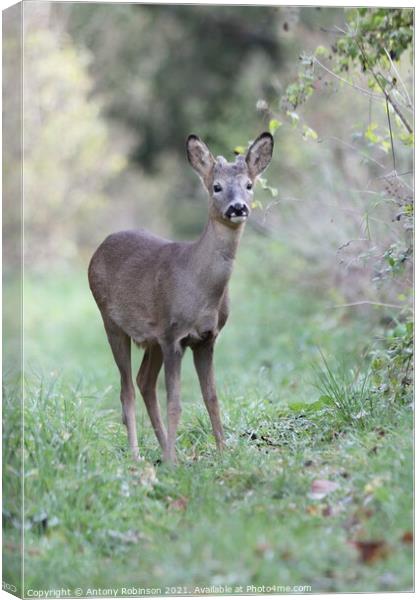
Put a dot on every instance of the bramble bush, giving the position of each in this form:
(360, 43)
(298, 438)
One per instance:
(373, 55)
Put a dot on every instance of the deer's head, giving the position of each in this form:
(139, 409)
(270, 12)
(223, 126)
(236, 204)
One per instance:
(230, 184)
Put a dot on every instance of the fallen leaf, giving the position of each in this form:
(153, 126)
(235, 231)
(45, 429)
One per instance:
(407, 537)
(364, 513)
(327, 511)
(371, 551)
(313, 510)
(263, 548)
(321, 488)
(373, 485)
(148, 476)
(179, 503)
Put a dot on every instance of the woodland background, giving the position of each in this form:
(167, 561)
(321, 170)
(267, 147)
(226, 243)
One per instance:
(315, 365)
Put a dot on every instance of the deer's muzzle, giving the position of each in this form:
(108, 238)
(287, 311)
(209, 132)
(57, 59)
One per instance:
(237, 212)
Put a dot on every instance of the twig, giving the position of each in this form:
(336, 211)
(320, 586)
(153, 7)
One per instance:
(268, 207)
(263, 229)
(385, 91)
(398, 176)
(393, 174)
(353, 85)
(326, 30)
(391, 136)
(346, 244)
(408, 99)
(332, 137)
(367, 302)
(398, 112)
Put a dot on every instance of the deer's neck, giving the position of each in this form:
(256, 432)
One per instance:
(214, 254)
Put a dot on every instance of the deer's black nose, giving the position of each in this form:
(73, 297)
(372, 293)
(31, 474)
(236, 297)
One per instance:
(239, 209)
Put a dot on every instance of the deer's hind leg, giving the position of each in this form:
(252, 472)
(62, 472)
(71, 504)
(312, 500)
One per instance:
(146, 380)
(120, 344)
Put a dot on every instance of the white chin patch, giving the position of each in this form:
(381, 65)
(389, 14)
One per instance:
(237, 219)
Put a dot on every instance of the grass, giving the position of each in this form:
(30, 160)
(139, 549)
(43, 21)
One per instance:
(247, 517)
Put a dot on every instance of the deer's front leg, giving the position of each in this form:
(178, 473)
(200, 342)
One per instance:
(172, 356)
(203, 361)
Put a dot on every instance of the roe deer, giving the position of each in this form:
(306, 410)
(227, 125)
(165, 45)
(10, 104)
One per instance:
(168, 295)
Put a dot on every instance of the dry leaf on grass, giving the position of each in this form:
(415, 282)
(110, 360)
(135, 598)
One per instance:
(374, 484)
(371, 551)
(328, 511)
(263, 549)
(179, 503)
(144, 474)
(317, 510)
(321, 488)
(407, 537)
(148, 476)
(313, 510)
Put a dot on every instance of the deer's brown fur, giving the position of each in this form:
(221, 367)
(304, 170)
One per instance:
(168, 295)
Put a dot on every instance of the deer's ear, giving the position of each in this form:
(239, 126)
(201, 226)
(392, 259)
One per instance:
(259, 154)
(199, 156)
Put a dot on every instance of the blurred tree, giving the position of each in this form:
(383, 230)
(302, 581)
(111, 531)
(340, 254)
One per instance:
(12, 142)
(168, 70)
(68, 156)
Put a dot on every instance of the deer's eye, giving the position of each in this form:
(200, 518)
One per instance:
(249, 185)
(217, 187)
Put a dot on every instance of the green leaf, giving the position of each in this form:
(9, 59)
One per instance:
(273, 191)
(309, 133)
(239, 150)
(321, 51)
(385, 146)
(274, 125)
(370, 134)
(322, 402)
(407, 139)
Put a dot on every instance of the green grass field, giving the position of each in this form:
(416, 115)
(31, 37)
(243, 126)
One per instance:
(250, 517)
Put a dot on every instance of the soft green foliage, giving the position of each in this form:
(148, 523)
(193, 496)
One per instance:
(299, 91)
(92, 518)
(392, 363)
(374, 42)
(370, 31)
(69, 157)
